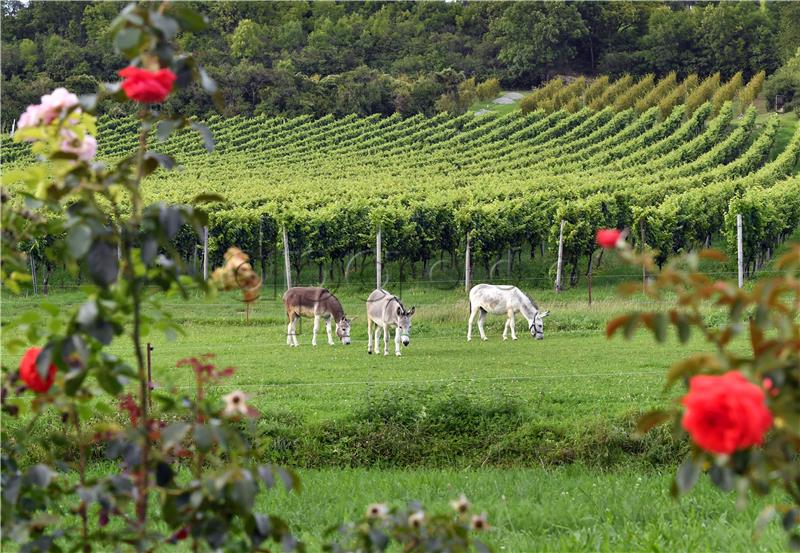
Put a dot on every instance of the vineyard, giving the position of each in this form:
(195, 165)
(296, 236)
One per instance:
(504, 181)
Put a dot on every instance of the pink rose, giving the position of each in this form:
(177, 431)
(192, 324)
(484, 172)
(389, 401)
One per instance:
(85, 150)
(58, 100)
(52, 105)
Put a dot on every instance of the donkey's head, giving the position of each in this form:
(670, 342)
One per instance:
(537, 326)
(343, 330)
(404, 323)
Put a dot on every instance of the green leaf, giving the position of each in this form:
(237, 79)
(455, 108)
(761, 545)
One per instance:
(630, 325)
(168, 26)
(722, 477)
(103, 263)
(40, 475)
(163, 160)
(87, 314)
(165, 127)
(684, 329)
(203, 437)
(108, 381)
(791, 519)
(205, 133)
(208, 84)
(660, 327)
(173, 434)
(190, 19)
(74, 380)
(44, 360)
(687, 475)
(127, 38)
(79, 238)
(164, 474)
(650, 420)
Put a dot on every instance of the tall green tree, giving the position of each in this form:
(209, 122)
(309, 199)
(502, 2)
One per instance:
(536, 38)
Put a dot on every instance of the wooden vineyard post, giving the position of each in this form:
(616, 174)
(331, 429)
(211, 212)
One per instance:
(468, 266)
(644, 270)
(287, 267)
(559, 265)
(378, 259)
(205, 253)
(740, 249)
(589, 276)
(33, 273)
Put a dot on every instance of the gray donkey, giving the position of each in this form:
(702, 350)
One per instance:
(315, 302)
(385, 310)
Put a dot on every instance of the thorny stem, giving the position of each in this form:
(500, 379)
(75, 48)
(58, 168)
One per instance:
(136, 298)
(82, 474)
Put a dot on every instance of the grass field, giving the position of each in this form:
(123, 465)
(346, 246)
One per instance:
(537, 433)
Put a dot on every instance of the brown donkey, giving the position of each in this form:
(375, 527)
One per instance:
(303, 301)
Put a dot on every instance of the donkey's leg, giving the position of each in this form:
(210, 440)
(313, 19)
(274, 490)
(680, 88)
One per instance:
(328, 330)
(316, 329)
(369, 335)
(505, 330)
(481, 318)
(512, 323)
(293, 332)
(397, 341)
(289, 331)
(378, 328)
(471, 319)
(385, 339)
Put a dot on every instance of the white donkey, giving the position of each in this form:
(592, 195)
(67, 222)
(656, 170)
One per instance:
(488, 298)
(385, 310)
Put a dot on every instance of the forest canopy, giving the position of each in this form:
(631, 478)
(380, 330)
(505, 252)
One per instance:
(290, 58)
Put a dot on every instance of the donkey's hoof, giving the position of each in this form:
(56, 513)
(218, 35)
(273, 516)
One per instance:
(369, 351)
(469, 339)
(505, 338)
(398, 354)
(514, 338)
(484, 339)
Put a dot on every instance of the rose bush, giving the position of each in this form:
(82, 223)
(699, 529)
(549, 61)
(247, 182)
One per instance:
(743, 438)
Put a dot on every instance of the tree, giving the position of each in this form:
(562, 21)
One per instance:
(785, 82)
(671, 41)
(536, 38)
(249, 40)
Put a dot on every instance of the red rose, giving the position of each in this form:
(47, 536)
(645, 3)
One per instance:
(29, 374)
(725, 413)
(147, 87)
(608, 237)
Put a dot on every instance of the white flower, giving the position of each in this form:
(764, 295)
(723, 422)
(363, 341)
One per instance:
(460, 505)
(479, 522)
(236, 404)
(377, 510)
(416, 519)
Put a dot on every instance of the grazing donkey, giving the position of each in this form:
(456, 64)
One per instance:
(315, 302)
(385, 310)
(487, 298)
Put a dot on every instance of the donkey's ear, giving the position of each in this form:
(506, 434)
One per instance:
(399, 311)
(413, 310)
(545, 314)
